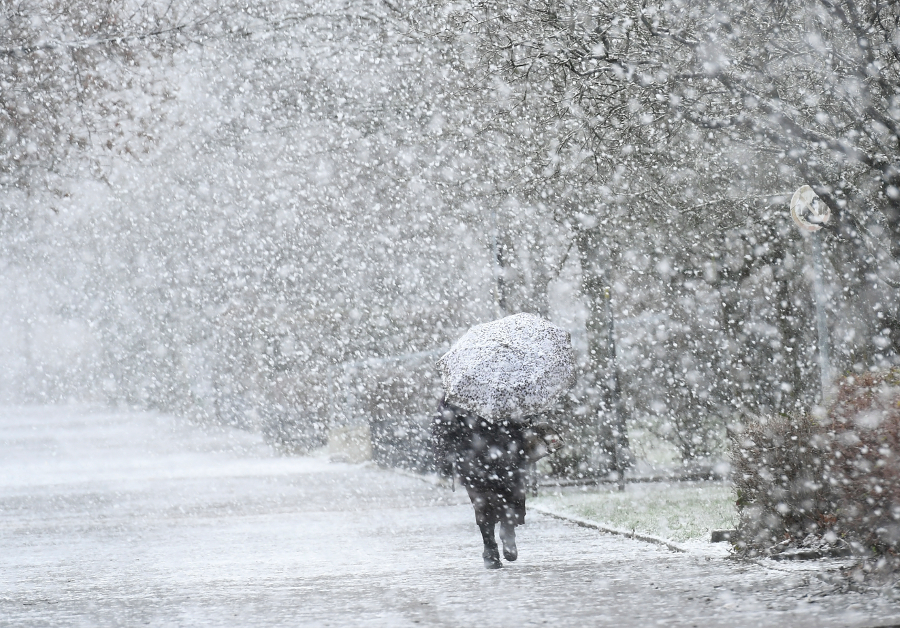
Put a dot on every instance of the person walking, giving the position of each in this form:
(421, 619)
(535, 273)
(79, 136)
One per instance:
(490, 460)
(496, 378)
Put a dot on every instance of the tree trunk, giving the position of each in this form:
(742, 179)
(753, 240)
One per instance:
(522, 278)
(605, 410)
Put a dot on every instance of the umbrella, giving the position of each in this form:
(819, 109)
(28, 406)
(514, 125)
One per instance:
(509, 368)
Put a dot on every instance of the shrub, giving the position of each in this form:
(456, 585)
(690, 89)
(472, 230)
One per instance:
(838, 477)
(777, 467)
(864, 471)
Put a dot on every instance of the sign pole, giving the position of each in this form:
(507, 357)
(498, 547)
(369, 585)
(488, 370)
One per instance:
(811, 214)
(821, 322)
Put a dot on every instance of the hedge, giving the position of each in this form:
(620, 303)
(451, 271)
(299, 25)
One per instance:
(831, 477)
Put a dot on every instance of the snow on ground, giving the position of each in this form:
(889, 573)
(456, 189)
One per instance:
(122, 518)
(678, 511)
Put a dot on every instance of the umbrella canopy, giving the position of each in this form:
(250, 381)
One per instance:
(509, 368)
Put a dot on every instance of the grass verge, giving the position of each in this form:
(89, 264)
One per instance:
(684, 511)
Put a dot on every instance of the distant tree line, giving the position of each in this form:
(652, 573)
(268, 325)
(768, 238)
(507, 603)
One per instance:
(225, 207)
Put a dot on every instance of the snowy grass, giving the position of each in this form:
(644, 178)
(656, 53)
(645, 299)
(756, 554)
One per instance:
(675, 511)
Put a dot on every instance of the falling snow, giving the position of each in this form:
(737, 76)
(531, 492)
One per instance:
(273, 218)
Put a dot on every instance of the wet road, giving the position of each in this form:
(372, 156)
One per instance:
(128, 519)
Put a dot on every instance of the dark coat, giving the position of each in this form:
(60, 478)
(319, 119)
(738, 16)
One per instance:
(489, 459)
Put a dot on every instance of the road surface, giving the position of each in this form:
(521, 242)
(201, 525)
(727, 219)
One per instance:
(131, 519)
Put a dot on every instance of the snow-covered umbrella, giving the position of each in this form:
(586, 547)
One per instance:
(509, 368)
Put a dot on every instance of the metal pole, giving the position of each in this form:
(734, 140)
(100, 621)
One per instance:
(821, 322)
(615, 391)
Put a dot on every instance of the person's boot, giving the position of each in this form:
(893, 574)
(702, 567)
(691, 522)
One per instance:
(491, 554)
(508, 538)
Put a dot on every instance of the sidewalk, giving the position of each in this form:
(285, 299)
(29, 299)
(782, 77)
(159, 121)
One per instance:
(111, 519)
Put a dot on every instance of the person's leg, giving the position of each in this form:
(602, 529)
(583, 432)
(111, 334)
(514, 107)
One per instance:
(512, 512)
(508, 535)
(486, 524)
(491, 553)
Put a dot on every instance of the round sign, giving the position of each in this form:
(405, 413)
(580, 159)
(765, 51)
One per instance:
(808, 210)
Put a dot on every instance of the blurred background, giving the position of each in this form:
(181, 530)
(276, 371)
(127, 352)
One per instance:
(277, 215)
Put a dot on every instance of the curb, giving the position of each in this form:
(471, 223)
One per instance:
(584, 523)
(436, 480)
